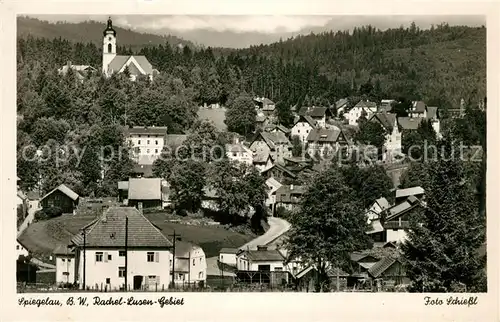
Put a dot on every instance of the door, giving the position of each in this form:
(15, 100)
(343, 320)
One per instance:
(137, 282)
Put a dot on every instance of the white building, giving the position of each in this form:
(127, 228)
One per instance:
(397, 219)
(272, 186)
(275, 144)
(146, 142)
(113, 63)
(239, 153)
(228, 256)
(302, 126)
(21, 250)
(262, 259)
(190, 264)
(393, 140)
(355, 113)
(102, 263)
(378, 206)
(325, 141)
(65, 265)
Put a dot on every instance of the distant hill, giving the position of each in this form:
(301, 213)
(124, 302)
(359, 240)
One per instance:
(91, 31)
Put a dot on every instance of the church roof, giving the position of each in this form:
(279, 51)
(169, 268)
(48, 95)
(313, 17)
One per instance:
(120, 60)
(109, 28)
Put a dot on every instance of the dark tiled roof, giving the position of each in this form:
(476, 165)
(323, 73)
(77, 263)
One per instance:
(145, 169)
(280, 168)
(109, 231)
(264, 255)
(64, 189)
(285, 192)
(341, 102)
(33, 195)
(228, 250)
(261, 157)
(63, 250)
(324, 135)
(156, 130)
(120, 60)
(335, 271)
(274, 138)
(418, 106)
(409, 192)
(366, 104)
(314, 111)
(144, 189)
(410, 123)
(387, 120)
(381, 266)
(432, 112)
(305, 118)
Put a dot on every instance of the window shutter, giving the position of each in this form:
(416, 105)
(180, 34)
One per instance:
(105, 257)
(158, 279)
(157, 257)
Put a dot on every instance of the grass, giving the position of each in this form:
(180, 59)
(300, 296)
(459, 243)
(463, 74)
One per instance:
(216, 115)
(42, 237)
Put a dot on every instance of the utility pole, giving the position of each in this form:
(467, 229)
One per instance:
(175, 237)
(84, 257)
(126, 253)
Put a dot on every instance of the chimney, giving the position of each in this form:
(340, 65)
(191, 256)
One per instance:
(261, 247)
(139, 207)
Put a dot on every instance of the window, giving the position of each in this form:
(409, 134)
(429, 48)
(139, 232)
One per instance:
(181, 277)
(138, 141)
(121, 253)
(17, 247)
(200, 260)
(221, 257)
(151, 256)
(98, 256)
(148, 142)
(121, 271)
(200, 275)
(278, 269)
(69, 260)
(110, 47)
(156, 142)
(147, 151)
(298, 131)
(194, 262)
(156, 151)
(63, 260)
(148, 137)
(234, 154)
(109, 257)
(108, 280)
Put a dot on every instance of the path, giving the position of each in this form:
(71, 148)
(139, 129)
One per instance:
(27, 221)
(277, 227)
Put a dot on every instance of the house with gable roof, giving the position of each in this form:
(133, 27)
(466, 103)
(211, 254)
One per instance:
(276, 144)
(122, 242)
(80, 71)
(61, 197)
(113, 63)
(355, 113)
(396, 219)
(302, 126)
(393, 140)
(145, 193)
(417, 109)
(319, 114)
(146, 142)
(190, 264)
(238, 152)
(325, 141)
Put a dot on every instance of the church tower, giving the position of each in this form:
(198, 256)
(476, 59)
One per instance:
(109, 46)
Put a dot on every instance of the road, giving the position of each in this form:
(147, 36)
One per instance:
(277, 227)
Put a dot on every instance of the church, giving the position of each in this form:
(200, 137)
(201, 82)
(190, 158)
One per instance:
(113, 63)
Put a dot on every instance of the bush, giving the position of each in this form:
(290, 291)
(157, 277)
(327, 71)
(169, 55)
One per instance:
(48, 213)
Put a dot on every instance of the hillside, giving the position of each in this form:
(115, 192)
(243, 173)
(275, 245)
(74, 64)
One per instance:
(91, 32)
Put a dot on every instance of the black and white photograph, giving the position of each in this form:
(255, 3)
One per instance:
(251, 153)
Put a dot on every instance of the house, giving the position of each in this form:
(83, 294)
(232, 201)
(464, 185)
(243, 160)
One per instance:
(377, 232)
(261, 259)
(289, 196)
(262, 160)
(409, 123)
(190, 264)
(123, 191)
(273, 128)
(146, 142)
(390, 270)
(145, 193)
(65, 264)
(61, 197)
(325, 141)
(341, 105)
(363, 261)
(319, 114)
(305, 280)
(376, 209)
(122, 242)
(239, 153)
(228, 256)
(302, 126)
(265, 105)
(210, 199)
(393, 139)
(261, 120)
(355, 113)
(275, 144)
(80, 71)
(432, 114)
(272, 186)
(386, 105)
(417, 109)
(279, 172)
(113, 63)
(21, 250)
(142, 171)
(396, 219)
(459, 112)
(33, 201)
(403, 194)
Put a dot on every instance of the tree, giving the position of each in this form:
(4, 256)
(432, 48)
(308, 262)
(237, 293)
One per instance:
(187, 180)
(297, 146)
(402, 107)
(285, 116)
(205, 143)
(420, 143)
(328, 226)
(241, 114)
(371, 133)
(444, 237)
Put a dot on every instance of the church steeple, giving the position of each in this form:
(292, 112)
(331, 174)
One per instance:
(109, 29)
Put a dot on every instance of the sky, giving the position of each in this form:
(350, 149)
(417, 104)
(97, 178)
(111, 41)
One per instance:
(236, 31)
